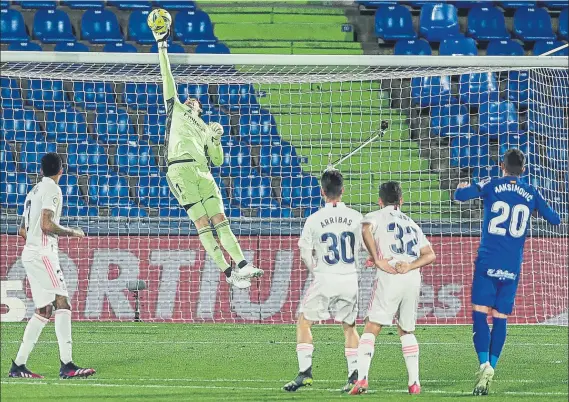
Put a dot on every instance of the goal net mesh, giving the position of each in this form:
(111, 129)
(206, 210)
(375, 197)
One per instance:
(283, 126)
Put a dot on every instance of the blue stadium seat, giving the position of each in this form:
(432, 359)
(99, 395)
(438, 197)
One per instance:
(12, 26)
(253, 192)
(174, 211)
(543, 46)
(559, 87)
(83, 4)
(51, 26)
(237, 96)
(138, 29)
(32, 152)
(20, 125)
(46, 94)
(517, 88)
(306, 212)
(71, 47)
(109, 190)
(431, 91)
(513, 140)
(129, 212)
(279, 160)
(66, 126)
(139, 95)
(458, 45)
(70, 190)
(93, 95)
(504, 48)
(564, 24)
(136, 160)
(460, 152)
(100, 26)
(154, 125)
(195, 91)
(236, 161)
(26, 4)
(175, 4)
(394, 22)
(13, 190)
(211, 114)
(274, 212)
(130, 5)
(477, 88)
(498, 118)
(172, 48)
(78, 210)
(516, 4)
(25, 47)
(558, 153)
(215, 48)
(546, 119)
(114, 127)
(4, 4)
(413, 47)
(532, 23)
(301, 191)
(258, 128)
(438, 21)
(119, 47)
(450, 121)
(87, 158)
(153, 192)
(193, 26)
(486, 23)
(7, 161)
(10, 93)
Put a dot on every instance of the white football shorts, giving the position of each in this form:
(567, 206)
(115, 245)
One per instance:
(45, 277)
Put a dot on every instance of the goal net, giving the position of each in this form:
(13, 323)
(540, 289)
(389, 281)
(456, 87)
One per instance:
(427, 123)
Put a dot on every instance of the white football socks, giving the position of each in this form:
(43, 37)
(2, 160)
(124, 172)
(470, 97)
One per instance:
(352, 359)
(63, 333)
(304, 354)
(410, 349)
(31, 335)
(365, 354)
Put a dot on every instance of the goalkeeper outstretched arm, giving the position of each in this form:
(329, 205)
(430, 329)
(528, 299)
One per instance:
(214, 148)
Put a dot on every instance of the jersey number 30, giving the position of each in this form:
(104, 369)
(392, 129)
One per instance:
(520, 216)
(342, 248)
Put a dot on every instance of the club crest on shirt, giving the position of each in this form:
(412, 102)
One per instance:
(55, 201)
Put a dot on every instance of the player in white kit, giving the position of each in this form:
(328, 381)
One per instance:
(40, 228)
(329, 246)
(398, 248)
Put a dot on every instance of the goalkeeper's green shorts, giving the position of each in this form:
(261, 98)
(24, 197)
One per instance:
(193, 186)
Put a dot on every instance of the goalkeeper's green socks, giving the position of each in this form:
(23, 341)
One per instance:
(212, 248)
(229, 243)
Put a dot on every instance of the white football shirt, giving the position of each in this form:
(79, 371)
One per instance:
(333, 234)
(45, 195)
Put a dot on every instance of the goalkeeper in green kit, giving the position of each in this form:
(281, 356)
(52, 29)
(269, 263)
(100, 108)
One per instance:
(188, 140)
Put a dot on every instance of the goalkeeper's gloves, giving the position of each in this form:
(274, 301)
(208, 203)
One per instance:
(161, 38)
(216, 132)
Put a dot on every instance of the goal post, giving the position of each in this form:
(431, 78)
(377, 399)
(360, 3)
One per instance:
(427, 122)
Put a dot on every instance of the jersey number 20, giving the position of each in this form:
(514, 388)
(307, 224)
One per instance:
(520, 216)
(342, 248)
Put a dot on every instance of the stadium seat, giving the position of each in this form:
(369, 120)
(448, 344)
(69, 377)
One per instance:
(93, 95)
(175, 4)
(564, 24)
(174, 211)
(236, 161)
(24, 47)
(504, 48)
(450, 121)
(138, 29)
(32, 152)
(237, 96)
(517, 87)
(66, 126)
(20, 125)
(154, 125)
(438, 21)
(558, 153)
(393, 22)
(195, 91)
(532, 23)
(13, 190)
(516, 4)
(70, 190)
(193, 26)
(4, 4)
(274, 212)
(100, 26)
(10, 93)
(546, 119)
(279, 160)
(460, 152)
(136, 160)
(51, 26)
(513, 140)
(83, 4)
(543, 46)
(211, 114)
(129, 212)
(26, 4)
(12, 26)
(486, 23)
(78, 210)
(113, 126)
(258, 128)
(130, 5)
(46, 94)
(87, 158)
(215, 48)
(253, 192)
(140, 96)
(172, 48)
(120, 47)
(458, 45)
(431, 91)
(498, 118)
(413, 47)
(109, 190)
(7, 161)
(70, 47)
(153, 192)
(301, 191)
(477, 88)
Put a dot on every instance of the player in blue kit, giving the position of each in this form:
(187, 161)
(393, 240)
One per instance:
(508, 204)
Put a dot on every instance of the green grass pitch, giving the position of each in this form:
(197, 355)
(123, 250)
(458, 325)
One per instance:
(167, 362)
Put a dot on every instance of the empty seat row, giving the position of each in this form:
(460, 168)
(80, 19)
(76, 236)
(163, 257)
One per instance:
(468, 4)
(96, 4)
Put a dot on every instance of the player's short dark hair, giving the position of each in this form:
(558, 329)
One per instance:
(390, 193)
(51, 164)
(332, 183)
(514, 161)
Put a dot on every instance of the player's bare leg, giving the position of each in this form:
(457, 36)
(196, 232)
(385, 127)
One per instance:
(481, 339)
(351, 352)
(366, 349)
(304, 349)
(410, 349)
